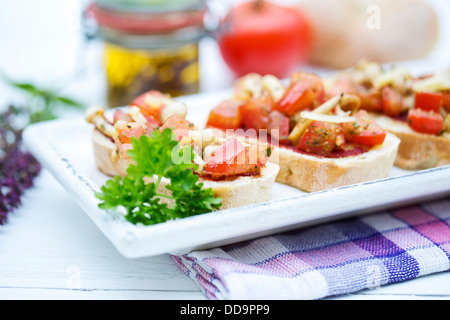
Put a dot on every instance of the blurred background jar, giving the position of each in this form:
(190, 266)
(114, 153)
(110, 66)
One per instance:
(149, 45)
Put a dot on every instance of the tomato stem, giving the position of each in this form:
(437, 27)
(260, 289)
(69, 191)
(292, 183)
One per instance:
(258, 4)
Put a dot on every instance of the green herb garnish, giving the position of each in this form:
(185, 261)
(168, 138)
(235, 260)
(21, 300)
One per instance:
(42, 104)
(158, 156)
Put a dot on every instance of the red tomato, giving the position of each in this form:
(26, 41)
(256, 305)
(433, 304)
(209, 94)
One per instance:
(147, 108)
(364, 130)
(425, 121)
(121, 115)
(306, 91)
(176, 122)
(392, 102)
(313, 81)
(255, 112)
(428, 101)
(180, 133)
(342, 85)
(226, 115)
(446, 101)
(152, 124)
(265, 38)
(279, 122)
(371, 99)
(322, 138)
(126, 130)
(234, 158)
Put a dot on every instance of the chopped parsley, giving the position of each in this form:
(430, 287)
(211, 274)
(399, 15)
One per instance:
(157, 157)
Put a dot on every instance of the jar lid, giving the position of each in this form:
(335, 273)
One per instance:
(151, 16)
(150, 6)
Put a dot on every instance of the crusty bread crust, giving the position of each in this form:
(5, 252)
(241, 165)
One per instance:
(310, 173)
(103, 148)
(417, 150)
(242, 191)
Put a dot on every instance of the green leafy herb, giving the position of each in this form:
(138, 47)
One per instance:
(42, 103)
(141, 193)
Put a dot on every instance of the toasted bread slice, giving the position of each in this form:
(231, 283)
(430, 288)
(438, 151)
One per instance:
(240, 191)
(417, 150)
(310, 173)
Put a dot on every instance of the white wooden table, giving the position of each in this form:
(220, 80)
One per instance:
(50, 249)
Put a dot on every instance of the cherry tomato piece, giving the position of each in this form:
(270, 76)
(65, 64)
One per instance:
(255, 112)
(322, 138)
(279, 126)
(446, 100)
(121, 115)
(364, 130)
(306, 91)
(150, 103)
(425, 121)
(371, 99)
(177, 122)
(226, 115)
(392, 101)
(342, 85)
(428, 101)
(233, 158)
(126, 130)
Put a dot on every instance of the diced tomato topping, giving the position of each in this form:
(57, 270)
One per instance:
(255, 112)
(364, 130)
(313, 81)
(227, 152)
(152, 124)
(121, 115)
(306, 91)
(371, 99)
(226, 115)
(322, 138)
(296, 98)
(126, 130)
(233, 158)
(177, 122)
(392, 101)
(342, 85)
(180, 133)
(147, 108)
(446, 100)
(279, 126)
(428, 101)
(425, 121)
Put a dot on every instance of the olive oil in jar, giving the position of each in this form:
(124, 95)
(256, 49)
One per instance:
(149, 48)
(132, 72)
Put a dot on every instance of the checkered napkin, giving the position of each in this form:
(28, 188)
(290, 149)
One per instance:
(329, 259)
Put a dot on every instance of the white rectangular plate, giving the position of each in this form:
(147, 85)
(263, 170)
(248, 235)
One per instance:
(64, 148)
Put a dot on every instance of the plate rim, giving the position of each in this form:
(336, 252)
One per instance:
(132, 240)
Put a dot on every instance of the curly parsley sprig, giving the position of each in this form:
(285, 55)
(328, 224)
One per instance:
(141, 194)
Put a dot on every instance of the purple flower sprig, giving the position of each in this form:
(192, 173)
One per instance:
(18, 168)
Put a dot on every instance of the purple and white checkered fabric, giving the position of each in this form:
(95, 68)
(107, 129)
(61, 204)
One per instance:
(330, 259)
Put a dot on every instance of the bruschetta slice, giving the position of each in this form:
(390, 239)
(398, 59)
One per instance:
(415, 109)
(321, 142)
(238, 171)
